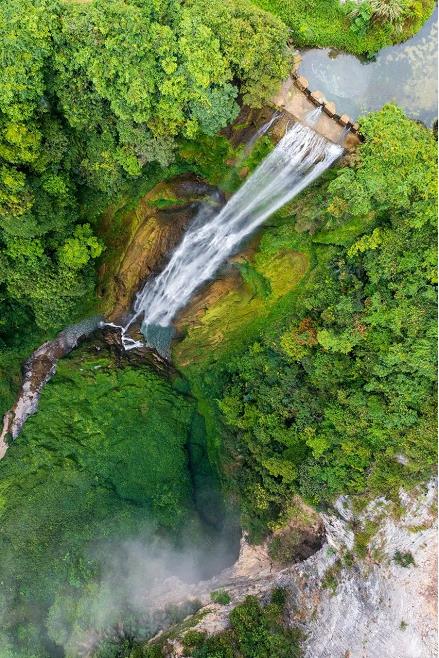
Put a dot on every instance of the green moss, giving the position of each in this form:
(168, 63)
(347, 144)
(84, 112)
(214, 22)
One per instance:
(280, 262)
(103, 460)
(345, 234)
(166, 202)
(283, 548)
(258, 284)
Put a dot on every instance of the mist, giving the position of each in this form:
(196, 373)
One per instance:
(142, 585)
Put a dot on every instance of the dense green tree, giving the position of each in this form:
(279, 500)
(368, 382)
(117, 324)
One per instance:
(92, 93)
(343, 400)
(86, 476)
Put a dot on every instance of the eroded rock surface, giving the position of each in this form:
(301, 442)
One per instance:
(376, 607)
(146, 236)
(37, 371)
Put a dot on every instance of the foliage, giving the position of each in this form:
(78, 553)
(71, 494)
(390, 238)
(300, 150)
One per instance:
(364, 536)
(346, 25)
(325, 403)
(259, 285)
(253, 43)
(361, 17)
(390, 11)
(82, 477)
(331, 577)
(220, 596)
(255, 632)
(283, 547)
(107, 90)
(404, 559)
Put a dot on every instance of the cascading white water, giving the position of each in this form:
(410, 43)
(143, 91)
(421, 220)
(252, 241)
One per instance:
(297, 160)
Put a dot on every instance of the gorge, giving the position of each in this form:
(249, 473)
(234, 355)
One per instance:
(217, 329)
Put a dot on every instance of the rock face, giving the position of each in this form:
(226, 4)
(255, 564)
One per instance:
(37, 371)
(380, 608)
(145, 237)
(375, 607)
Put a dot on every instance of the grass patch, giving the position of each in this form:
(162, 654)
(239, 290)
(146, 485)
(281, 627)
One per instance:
(221, 597)
(404, 559)
(331, 577)
(363, 537)
(323, 23)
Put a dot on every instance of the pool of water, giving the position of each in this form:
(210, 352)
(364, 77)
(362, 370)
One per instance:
(405, 74)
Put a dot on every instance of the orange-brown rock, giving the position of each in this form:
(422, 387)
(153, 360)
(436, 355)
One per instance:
(142, 239)
(302, 82)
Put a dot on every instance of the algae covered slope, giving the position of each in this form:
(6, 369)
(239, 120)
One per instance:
(104, 461)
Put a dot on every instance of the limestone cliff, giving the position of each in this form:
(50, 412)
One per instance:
(348, 605)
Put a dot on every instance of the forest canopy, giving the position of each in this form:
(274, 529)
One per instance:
(93, 94)
(341, 399)
(316, 378)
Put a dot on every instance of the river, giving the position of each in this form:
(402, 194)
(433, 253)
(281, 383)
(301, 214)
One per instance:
(405, 74)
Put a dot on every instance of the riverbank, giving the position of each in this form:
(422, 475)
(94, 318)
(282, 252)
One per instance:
(405, 74)
(328, 24)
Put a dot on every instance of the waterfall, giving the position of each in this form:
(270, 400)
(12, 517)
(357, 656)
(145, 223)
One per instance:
(297, 160)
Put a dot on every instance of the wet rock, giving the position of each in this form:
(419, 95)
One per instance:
(318, 96)
(191, 188)
(302, 82)
(297, 58)
(138, 356)
(344, 120)
(151, 234)
(38, 370)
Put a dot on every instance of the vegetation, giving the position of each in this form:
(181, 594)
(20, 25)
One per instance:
(338, 378)
(84, 477)
(361, 28)
(221, 597)
(255, 632)
(330, 579)
(364, 536)
(404, 559)
(108, 91)
(312, 367)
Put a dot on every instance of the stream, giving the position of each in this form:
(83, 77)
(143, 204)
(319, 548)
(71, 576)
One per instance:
(405, 74)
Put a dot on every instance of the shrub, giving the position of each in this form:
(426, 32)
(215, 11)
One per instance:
(404, 559)
(221, 596)
(388, 11)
